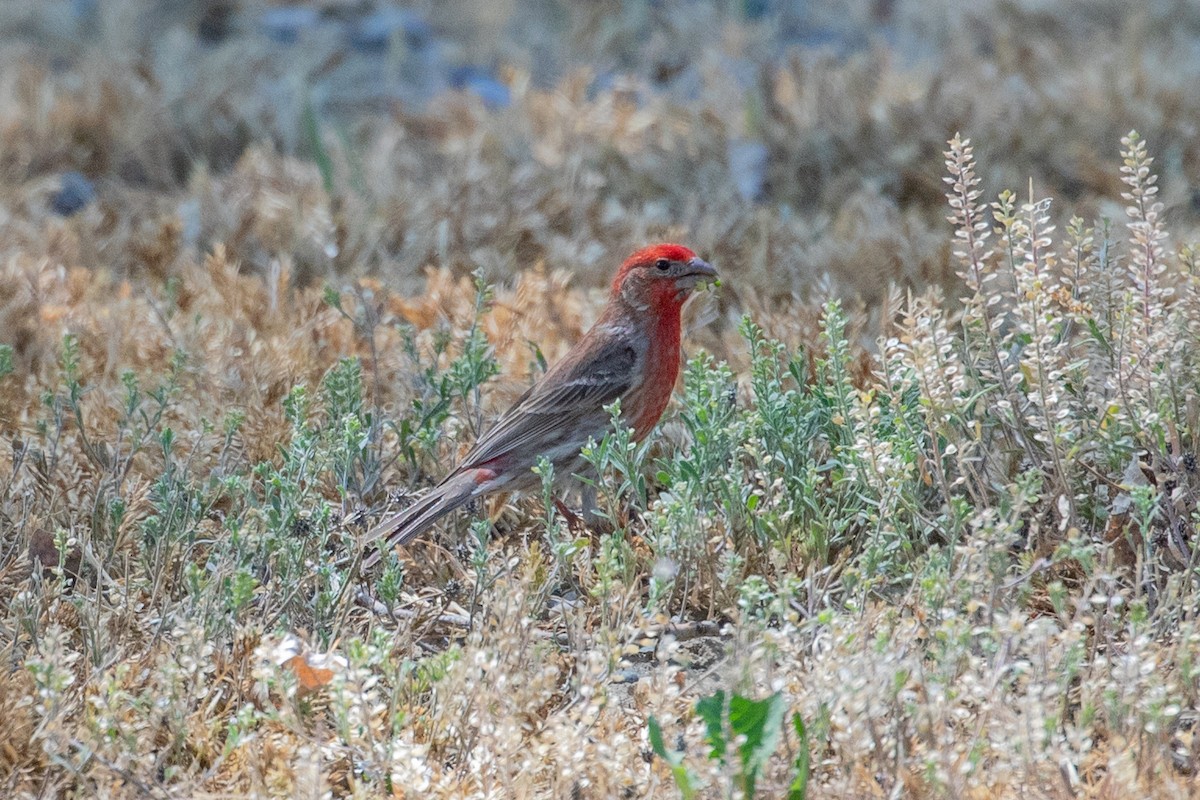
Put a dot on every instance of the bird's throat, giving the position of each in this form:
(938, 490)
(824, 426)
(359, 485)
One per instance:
(661, 366)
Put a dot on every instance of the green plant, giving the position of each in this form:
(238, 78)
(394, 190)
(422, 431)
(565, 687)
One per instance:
(750, 728)
(6, 360)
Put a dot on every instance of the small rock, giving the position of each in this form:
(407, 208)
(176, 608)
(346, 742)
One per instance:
(483, 84)
(44, 556)
(75, 192)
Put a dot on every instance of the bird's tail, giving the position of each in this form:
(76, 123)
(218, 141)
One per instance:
(420, 516)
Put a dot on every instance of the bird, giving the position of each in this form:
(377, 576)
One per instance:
(631, 354)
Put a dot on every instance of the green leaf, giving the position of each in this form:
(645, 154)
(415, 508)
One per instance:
(332, 298)
(311, 127)
(682, 775)
(799, 788)
(760, 722)
(1098, 335)
(656, 741)
(711, 709)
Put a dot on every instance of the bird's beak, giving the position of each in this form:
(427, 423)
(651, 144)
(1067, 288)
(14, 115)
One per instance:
(701, 269)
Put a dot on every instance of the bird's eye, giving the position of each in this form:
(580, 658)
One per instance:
(662, 264)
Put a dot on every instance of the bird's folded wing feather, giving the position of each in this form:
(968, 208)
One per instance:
(577, 388)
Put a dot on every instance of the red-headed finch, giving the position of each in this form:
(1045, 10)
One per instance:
(631, 354)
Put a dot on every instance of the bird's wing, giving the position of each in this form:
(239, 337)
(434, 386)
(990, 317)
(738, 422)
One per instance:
(574, 388)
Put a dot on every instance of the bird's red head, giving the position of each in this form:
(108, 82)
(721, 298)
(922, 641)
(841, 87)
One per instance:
(661, 273)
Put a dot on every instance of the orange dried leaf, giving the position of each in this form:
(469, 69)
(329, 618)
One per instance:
(311, 677)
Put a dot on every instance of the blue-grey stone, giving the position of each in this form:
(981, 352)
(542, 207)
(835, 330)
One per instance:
(626, 676)
(483, 84)
(75, 192)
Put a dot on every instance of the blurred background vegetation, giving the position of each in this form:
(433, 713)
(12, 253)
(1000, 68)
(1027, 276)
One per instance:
(794, 142)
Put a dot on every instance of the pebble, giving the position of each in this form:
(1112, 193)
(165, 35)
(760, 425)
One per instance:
(483, 84)
(626, 676)
(75, 192)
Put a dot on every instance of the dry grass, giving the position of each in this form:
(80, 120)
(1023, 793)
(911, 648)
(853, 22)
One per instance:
(971, 576)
